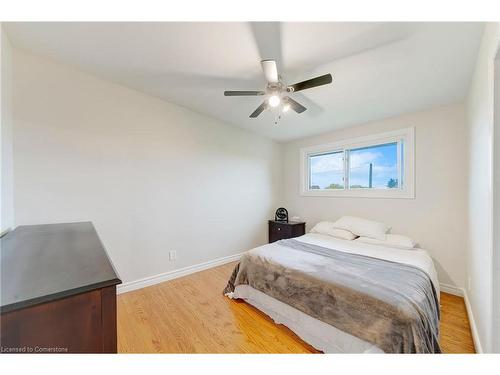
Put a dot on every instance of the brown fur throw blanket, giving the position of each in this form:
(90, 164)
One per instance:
(391, 305)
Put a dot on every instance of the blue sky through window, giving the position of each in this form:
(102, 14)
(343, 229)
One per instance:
(383, 159)
(327, 171)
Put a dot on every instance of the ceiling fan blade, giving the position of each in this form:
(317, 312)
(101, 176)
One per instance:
(259, 109)
(243, 93)
(310, 83)
(270, 70)
(297, 107)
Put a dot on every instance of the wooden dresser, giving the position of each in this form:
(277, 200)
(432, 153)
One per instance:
(280, 230)
(58, 291)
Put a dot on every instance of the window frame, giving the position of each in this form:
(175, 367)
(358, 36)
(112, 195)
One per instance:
(407, 191)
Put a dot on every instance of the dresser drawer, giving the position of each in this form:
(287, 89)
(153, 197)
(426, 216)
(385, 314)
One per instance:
(283, 230)
(279, 232)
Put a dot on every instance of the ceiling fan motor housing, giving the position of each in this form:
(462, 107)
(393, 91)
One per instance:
(275, 88)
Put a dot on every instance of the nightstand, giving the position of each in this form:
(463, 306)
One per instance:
(279, 230)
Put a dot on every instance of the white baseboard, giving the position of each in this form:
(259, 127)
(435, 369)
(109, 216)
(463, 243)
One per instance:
(170, 275)
(451, 289)
(457, 291)
(473, 326)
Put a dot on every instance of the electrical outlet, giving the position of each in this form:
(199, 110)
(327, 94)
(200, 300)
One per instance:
(172, 255)
(469, 280)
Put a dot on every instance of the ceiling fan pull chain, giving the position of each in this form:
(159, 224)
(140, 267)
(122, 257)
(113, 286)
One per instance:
(277, 118)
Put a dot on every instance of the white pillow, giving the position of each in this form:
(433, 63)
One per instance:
(326, 227)
(342, 234)
(392, 240)
(323, 227)
(362, 227)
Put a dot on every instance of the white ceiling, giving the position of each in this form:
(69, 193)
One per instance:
(379, 69)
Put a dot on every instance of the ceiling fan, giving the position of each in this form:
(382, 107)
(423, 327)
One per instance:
(277, 91)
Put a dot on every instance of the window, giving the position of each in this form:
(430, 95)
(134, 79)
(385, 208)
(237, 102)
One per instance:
(327, 171)
(375, 166)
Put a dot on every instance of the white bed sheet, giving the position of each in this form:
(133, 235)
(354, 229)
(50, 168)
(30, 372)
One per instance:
(321, 335)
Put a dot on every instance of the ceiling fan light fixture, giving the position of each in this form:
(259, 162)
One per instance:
(276, 91)
(274, 100)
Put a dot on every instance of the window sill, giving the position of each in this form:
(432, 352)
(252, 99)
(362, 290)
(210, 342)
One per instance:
(361, 193)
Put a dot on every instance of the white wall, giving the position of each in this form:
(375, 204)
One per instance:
(151, 175)
(480, 134)
(7, 182)
(496, 208)
(436, 218)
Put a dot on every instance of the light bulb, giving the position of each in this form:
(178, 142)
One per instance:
(286, 107)
(274, 101)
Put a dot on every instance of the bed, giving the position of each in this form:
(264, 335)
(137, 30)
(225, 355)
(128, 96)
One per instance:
(344, 296)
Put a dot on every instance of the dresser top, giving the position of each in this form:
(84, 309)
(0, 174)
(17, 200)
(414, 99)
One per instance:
(42, 263)
(287, 222)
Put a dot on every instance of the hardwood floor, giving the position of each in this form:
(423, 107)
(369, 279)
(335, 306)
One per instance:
(190, 315)
(455, 333)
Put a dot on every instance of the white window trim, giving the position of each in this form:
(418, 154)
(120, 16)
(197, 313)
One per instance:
(406, 192)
